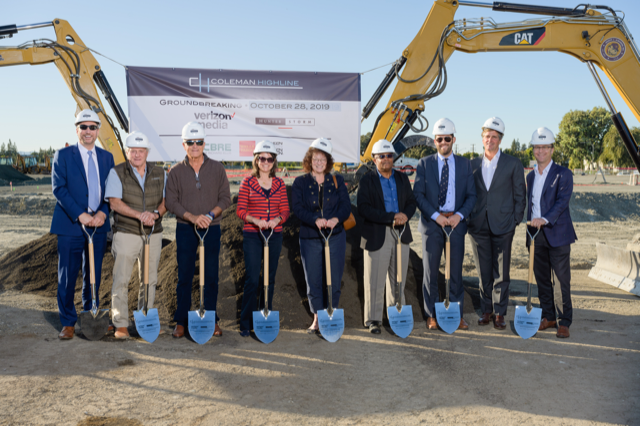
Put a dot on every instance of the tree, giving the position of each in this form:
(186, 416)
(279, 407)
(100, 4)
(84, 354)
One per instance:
(614, 150)
(470, 155)
(364, 142)
(581, 135)
(3, 149)
(419, 151)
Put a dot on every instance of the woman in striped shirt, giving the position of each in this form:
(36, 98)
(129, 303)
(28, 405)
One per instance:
(263, 206)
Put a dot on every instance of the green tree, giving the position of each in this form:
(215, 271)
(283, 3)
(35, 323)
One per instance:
(419, 151)
(581, 135)
(614, 150)
(364, 142)
(3, 149)
(470, 155)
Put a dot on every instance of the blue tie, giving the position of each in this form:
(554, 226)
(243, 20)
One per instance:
(94, 187)
(444, 184)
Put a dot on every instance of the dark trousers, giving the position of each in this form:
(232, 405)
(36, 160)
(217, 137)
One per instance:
(551, 267)
(73, 253)
(432, 248)
(492, 254)
(313, 262)
(187, 243)
(253, 254)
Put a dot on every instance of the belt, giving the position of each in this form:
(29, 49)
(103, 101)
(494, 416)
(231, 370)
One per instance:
(447, 214)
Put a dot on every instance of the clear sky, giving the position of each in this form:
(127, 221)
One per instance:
(527, 90)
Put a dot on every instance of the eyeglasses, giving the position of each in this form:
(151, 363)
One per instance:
(446, 139)
(198, 182)
(91, 127)
(383, 156)
(319, 160)
(266, 159)
(542, 147)
(190, 143)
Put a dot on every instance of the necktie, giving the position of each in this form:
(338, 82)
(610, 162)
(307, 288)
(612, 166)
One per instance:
(94, 187)
(444, 184)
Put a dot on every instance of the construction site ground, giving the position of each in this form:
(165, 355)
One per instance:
(480, 376)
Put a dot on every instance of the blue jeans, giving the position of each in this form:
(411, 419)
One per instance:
(253, 254)
(187, 243)
(312, 254)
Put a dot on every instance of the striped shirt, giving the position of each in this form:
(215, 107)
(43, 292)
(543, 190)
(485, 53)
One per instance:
(253, 201)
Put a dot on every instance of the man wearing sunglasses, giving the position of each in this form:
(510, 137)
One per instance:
(197, 193)
(78, 178)
(445, 193)
(384, 197)
(500, 208)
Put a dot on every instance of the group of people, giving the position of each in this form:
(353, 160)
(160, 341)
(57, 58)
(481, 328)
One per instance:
(485, 196)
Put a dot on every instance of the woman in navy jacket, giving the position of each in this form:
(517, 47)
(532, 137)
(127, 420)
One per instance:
(321, 206)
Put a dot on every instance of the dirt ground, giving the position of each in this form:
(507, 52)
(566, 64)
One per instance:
(480, 376)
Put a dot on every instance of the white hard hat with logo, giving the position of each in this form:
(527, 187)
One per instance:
(193, 130)
(382, 146)
(494, 123)
(323, 145)
(87, 115)
(265, 146)
(444, 126)
(542, 136)
(137, 140)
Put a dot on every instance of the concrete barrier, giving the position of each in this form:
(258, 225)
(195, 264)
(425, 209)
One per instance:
(617, 267)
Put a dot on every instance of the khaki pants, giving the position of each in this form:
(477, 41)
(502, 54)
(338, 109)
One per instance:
(126, 249)
(380, 272)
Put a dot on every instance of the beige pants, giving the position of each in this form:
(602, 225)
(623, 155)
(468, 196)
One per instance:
(380, 272)
(126, 249)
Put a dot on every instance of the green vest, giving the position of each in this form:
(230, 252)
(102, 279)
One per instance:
(133, 196)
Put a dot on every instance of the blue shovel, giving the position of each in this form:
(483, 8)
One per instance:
(266, 324)
(147, 320)
(448, 314)
(527, 318)
(202, 323)
(330, 321)
(400, 316)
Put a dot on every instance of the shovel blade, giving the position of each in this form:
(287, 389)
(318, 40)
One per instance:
(331, 327)
(148, 326)
(266, 328)
(527, 323)
(401, 322)
(94, 328)
(448, 319)
(201, 328)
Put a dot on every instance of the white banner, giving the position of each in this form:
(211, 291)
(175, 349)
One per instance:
(240, 108)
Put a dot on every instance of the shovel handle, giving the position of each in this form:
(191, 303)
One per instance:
(92, 265)
(266, 277)
(146, 265)
(447, 265)
(327, 259)
(532, 248)
(201, 252)
(399, 263)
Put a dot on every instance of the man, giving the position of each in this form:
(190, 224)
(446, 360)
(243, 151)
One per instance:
(499, 209)
(384, 197)
(445, 194)
(135, 192)
(78, 178)
(549, 191)
(197, 193)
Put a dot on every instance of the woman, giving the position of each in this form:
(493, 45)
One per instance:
(263, 206)
(321, 201)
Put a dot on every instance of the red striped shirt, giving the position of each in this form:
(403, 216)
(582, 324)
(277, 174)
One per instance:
(253, 201)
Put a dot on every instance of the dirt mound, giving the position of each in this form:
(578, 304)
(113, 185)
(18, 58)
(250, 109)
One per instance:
(597, 207)
(10, 174)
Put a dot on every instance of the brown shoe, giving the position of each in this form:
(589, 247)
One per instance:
(66, 333)
(463, 325)
(485, 319)
(432, 324)
(178, 332)
(121, 333)
(217, 332)
(563, 332)
(498, 322)
(544, 324)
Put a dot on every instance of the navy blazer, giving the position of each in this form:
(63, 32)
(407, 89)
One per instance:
(427, 187)
(554, 205)
(71, 190)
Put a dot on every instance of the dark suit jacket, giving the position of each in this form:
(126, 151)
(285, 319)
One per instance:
(554, 205)
(71, 190)
(503, 204)
(371, 209)
(427, 187)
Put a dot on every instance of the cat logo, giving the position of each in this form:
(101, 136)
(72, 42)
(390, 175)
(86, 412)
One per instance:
(529, 37)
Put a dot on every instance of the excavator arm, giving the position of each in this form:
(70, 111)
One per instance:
(79, 69)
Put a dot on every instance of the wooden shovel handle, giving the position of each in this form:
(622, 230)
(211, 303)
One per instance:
(145, 274)
(202, 266)
(399, 266)
(266, 272)
(92, 265)
(327, 259)
(532, 248)
(447, 265)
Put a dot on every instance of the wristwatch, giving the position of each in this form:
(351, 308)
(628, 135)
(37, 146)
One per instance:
(158, 213)
(211, 215)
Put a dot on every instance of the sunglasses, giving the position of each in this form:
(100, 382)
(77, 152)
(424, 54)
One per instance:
(266, 160)
(383, 156)
(85, 127)
(190, 143)
(446, 139)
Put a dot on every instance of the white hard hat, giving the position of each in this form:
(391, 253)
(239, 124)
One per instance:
(137, 140)
(265, 146)
(87, 115)
(444, 126)
(494, 123)
(382, 146)
(192, 130)
(542, 136)
(322, 144)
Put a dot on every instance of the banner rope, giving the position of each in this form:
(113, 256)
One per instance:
(373, 69)
(98, 53)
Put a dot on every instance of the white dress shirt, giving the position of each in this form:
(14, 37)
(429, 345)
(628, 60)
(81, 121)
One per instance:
(450, 204)
(536, 191)
(84, 153)
(489, 169)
